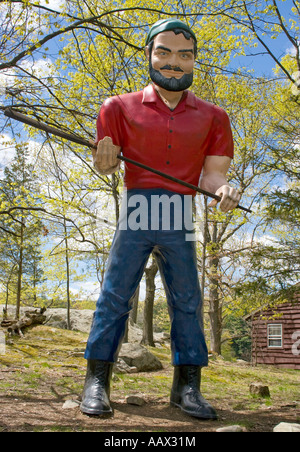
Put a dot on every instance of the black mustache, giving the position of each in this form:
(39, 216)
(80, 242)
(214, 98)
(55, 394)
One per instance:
(167, 67)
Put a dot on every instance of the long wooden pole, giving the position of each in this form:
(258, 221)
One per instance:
(14, 114)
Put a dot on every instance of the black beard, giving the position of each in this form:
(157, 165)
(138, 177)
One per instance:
(170, 84)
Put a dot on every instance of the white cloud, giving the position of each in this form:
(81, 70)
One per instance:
(88, 289)
(53, 4)
(7, 153)
(7, 79)
(12, 14)
(40, 68)
(292, 50)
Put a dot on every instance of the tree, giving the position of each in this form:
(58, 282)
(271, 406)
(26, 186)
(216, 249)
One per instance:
(101, 54)
(21, 231)
(273, 264)
(74, 229)
(150, 273)
(254, 113)
(277, 261)
(251, 116)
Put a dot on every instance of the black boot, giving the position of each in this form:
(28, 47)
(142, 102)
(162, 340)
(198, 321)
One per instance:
(186, 393)
(95, 398)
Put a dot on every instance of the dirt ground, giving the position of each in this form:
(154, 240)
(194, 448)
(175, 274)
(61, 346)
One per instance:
(42, 415)
(38, 375)
(42, 412)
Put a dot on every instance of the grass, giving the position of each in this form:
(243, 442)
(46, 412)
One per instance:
(44, 350)
(48, 362)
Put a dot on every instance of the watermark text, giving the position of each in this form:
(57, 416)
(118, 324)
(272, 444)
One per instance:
(158, 213)
(296, 343)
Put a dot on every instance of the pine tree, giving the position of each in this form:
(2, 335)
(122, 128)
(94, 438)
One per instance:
(21, 229)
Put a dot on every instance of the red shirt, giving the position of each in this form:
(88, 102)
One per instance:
(175, 142)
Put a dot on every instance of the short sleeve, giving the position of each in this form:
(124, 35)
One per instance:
(109, 121)
(221, 139)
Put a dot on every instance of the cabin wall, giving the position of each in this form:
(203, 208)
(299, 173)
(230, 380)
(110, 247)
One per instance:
(288, 354)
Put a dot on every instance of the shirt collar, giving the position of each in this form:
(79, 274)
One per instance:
(150, 96)
(191, 100)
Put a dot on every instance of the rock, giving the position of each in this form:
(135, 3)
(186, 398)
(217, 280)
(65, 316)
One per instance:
(70, 404)
(135, 335)
(135, 400)
(122, 368)
(81, 319)
(285, 427)
(259, 389)
(136, 355)
(232, 428)
(242, 362)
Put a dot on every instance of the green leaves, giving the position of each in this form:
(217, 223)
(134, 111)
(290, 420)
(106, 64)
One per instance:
(92, 50)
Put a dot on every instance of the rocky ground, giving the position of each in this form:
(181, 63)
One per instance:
(42, 375)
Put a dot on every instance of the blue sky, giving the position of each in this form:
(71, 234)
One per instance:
(263, 65)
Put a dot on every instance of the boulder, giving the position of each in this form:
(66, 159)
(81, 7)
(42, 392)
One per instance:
(122, 368)
(136, 355)
(135, 399)
(285, 427)
(81, 319)
(231, 429)
(135, 334)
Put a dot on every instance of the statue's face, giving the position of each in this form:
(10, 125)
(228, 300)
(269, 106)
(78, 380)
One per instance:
(171, 62)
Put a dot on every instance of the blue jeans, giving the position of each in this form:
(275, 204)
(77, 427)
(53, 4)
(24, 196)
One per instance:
(177, 262)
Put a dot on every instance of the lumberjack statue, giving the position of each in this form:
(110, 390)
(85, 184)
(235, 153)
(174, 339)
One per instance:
(167, 127)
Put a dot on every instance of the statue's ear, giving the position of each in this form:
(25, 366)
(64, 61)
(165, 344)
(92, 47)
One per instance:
(147, 52)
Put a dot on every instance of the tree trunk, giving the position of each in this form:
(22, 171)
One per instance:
(134, 301)
(149, 303)
(30, 318)
(215, 309)
(7, 286)
(68, 277)
(20, 273)
(204, 246)
(215, 314)
(115, 193)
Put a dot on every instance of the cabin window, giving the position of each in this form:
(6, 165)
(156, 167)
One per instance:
(275, 335)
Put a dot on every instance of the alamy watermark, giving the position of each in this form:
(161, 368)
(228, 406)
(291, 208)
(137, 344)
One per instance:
(296, 343)
(296, 84)
(2, 343)
(158, 212)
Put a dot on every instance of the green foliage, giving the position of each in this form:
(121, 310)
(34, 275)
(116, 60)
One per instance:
(20, 230)
(60, 65)
(161, 315)
(240, 337)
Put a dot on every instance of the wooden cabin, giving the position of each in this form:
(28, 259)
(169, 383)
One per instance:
(276, 335)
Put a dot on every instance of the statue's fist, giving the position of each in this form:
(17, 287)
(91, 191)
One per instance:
(230, 197)
(105, 156)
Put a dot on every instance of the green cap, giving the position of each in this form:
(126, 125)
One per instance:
(167, 25)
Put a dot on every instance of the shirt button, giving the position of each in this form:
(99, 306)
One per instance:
(170, 131)
(168, 163)
(172, 118)
(169, 146)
